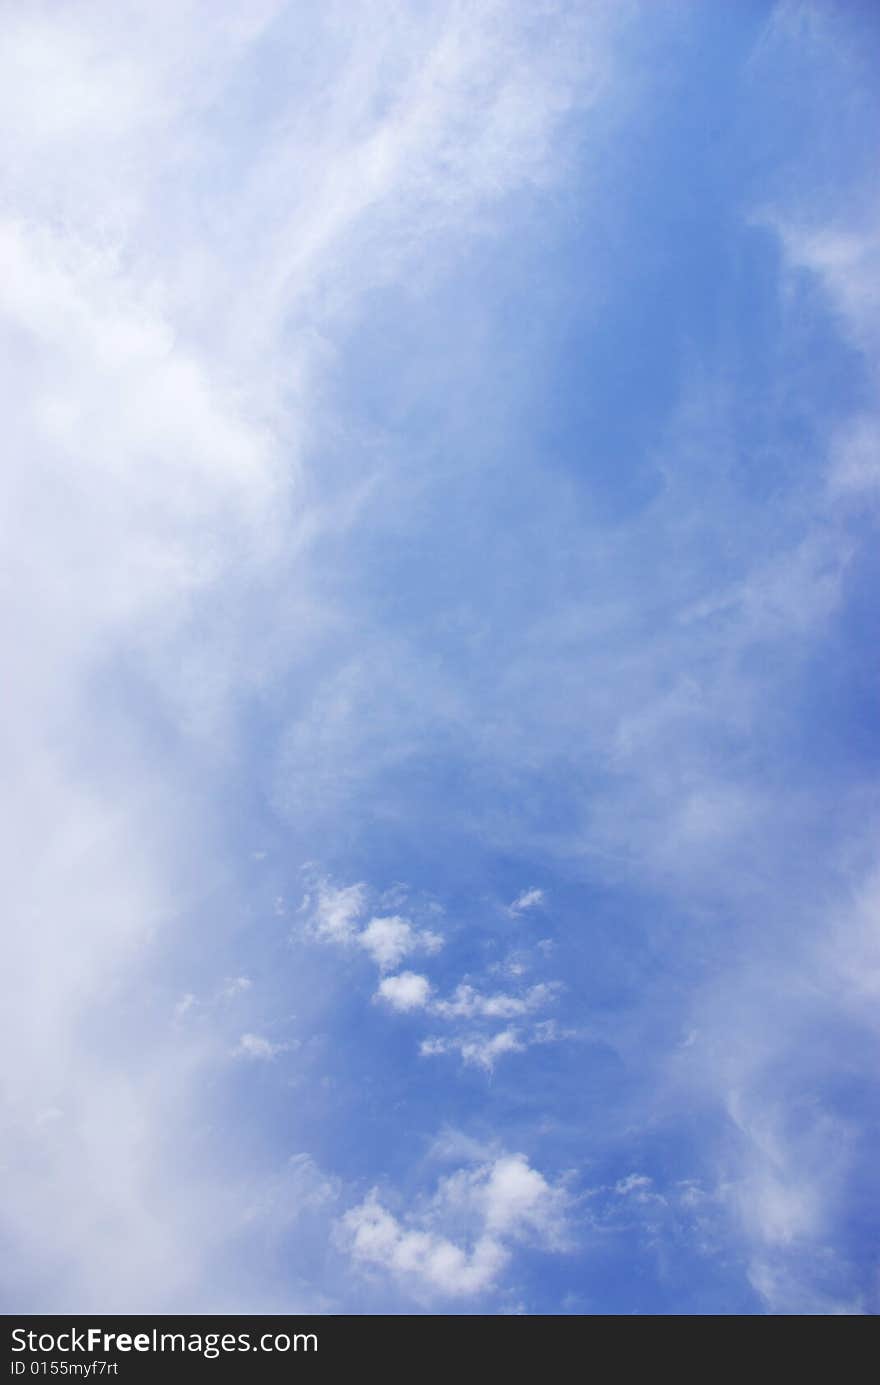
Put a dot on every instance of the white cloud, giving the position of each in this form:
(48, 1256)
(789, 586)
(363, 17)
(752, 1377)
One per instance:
(638, 1187)
(389, 940)
(855, 469)
(256, 1046)
(336, 910)
(495, 1205)
(782, 1288)
(633, 1183)
(422, 1258)
(515, 1200)
(455, 1146)
(408, 991)
(483, 1050)
(157, 319)
(468, 1003)
(170, 275)
(479, 1050)
(529, 899)
(334, 915)
(847, 260)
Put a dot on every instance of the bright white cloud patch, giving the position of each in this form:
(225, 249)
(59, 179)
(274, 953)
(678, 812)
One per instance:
(336, 914)
(481, 1050)
(497, 1204)
(337, 910)
(529, 899)
(335, 917)
(408, 991)
(389, 940)
(422, 1259)
(467, 1003)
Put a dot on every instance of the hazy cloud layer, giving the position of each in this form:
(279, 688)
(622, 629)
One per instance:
(439, 527)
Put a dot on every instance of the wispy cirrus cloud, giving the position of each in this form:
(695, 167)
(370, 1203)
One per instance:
(175, 254)
(431, 453)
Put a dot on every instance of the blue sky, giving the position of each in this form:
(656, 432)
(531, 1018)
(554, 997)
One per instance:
(441, 739)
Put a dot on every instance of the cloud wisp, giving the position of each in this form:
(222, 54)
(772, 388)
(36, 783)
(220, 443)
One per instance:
(440, 445)
(176, 255)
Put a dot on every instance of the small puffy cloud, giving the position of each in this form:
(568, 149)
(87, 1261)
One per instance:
(549, 1032)
(778, 1210)
(516, 964)
(529, 899)
(389, 940)
(408, 991)
(255, 1046)
(500, 1201)
(638, 1187)
(424, 1258)
(336, 910)
(467, 1003)
(633, 1183)
(484, 1050)
(478, 1050)
(334, 914)
(517, 1200)
(236, 986)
